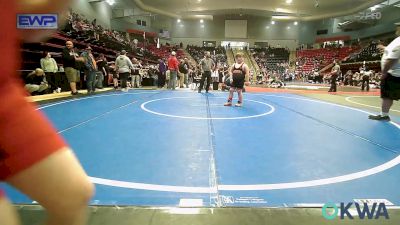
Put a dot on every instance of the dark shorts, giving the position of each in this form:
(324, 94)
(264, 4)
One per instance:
(238, 81)
(390, 88)
(220, 77)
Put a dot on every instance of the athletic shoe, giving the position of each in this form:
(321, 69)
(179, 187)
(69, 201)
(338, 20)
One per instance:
(228, 104)
(124, 90)
(238, 104)
(379, 117)
(58, 90)
(199, 91)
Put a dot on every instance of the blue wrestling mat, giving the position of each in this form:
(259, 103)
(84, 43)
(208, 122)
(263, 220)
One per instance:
(163, 148)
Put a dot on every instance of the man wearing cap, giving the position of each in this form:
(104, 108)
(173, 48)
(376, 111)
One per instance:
(36, 81)
(173, 67)
(90, 69)
(123, 66)
(390, 80)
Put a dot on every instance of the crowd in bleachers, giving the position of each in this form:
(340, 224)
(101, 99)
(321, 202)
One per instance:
(218, 54)
(372, 52)
(271, 59)
(81, 29)
(273, 63)
(315, 59)
(106, 45)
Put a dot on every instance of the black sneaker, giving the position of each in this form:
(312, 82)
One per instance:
(379, 117)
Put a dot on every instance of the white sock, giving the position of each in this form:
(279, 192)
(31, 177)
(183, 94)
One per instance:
(384, 114)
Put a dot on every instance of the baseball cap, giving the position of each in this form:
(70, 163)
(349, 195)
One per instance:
(173, 53)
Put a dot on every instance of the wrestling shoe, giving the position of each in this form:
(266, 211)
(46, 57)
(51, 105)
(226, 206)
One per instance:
(228, 104)
(379, 117)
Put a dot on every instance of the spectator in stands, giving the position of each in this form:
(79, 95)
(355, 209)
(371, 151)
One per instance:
(207, 65)
(173, 67)
(356, 78)
(390, 80)
(183, 70)
(186, 74)
(90, 69)
(115, 75)
(136, 73)
(365, 80)
(376, 80)
(123, 65)
(70, 59)
(102, 66)
(221, 73)
(36, 81)
(348, 78)
(162, 68)
(335, 73)
(49, 66)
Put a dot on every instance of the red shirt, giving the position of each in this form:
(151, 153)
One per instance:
(173, 63)
(26, 136)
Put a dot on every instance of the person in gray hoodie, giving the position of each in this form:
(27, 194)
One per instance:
(123, 66)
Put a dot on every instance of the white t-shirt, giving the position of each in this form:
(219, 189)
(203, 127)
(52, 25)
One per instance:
(392, 51)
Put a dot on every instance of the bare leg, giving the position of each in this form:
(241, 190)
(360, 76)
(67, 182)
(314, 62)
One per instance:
(230, 97)
(231, 91)
(73, 86)
(60, 185)
(115, 82)
(8, 215)
(386, 104)
(240, 95)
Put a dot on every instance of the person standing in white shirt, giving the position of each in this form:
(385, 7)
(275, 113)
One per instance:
(390, 80)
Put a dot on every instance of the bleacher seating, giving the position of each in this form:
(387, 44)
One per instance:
(310, 59)
(369, 53)
(272, 59)
(197, 53)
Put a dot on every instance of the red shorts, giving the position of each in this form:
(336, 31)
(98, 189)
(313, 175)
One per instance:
(26, 136)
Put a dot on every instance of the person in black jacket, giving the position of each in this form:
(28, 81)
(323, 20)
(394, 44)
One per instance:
(102, 66)
(183, 70)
